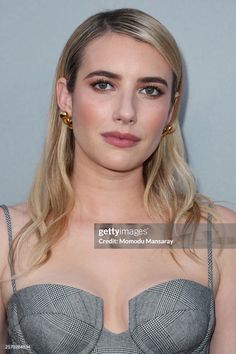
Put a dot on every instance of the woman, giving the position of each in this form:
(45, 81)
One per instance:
(114, 154)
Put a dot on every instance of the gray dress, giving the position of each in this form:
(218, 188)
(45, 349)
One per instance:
(176, 316)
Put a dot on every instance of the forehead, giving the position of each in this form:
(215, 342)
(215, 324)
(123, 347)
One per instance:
(123, 54)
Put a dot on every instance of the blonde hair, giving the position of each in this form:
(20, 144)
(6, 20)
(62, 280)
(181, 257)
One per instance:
(170, 188)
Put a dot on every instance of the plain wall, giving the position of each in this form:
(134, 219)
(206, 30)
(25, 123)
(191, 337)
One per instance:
(32, 35)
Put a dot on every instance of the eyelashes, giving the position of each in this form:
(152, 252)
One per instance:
(153, 88)
(152, 91)
(102, 83)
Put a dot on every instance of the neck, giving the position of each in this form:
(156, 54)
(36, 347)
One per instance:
(106, 195)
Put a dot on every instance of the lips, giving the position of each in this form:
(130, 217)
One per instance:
(119, 135)
(120, 140)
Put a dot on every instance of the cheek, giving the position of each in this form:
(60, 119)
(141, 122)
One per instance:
(153, 128)
(157, 120)
(89, 110)
(83, 111)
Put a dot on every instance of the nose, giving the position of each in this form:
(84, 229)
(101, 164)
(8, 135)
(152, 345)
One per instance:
(125, 111)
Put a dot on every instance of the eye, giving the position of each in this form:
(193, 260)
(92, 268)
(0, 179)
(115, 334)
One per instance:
(101, 85)
(152, 91)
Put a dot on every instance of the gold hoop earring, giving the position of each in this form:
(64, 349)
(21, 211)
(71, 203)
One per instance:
(169, 129)
(66, 119)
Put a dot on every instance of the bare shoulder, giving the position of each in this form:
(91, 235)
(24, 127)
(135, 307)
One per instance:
(227, 258)
(224, 340)
(227, 215)
(19, 213)
(19, 217)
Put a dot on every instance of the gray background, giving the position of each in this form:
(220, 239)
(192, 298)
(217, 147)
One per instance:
(32, 35)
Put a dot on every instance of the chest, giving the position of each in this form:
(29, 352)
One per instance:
(112, 272)
(121, 291)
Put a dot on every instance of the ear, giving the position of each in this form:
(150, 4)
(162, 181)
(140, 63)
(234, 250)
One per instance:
(64, 97)
(172, 108)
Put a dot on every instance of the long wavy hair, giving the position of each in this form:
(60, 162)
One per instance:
(170, 188)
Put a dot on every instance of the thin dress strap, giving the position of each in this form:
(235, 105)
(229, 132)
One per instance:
(9, 231)
(210, 263)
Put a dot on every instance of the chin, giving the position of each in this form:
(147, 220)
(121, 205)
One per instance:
(121, 166)
(120, 161)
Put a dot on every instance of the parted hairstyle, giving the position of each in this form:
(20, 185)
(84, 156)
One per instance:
(170, 188)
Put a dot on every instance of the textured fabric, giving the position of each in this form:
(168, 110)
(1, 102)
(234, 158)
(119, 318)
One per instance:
(176, 316)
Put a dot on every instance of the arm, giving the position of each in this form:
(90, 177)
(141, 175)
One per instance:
(3, 262)
(224, 337)
(3, 329)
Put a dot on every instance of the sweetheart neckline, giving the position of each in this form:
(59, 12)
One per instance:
(100, 298)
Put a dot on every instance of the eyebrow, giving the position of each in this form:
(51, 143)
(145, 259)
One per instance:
(111, 75)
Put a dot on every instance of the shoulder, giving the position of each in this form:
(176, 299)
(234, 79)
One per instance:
(19, 217)
(225, 302)
(227, 215)
(226, 258)
(226, 228)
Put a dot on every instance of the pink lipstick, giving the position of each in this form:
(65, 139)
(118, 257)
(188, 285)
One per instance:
(120, 139)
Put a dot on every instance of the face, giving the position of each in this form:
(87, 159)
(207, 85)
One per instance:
(122, 86)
